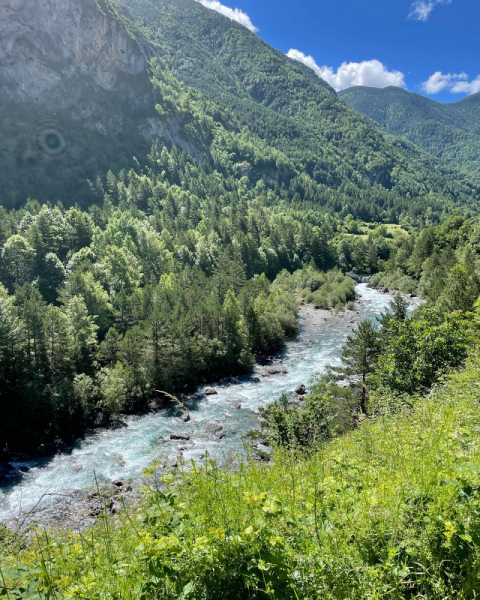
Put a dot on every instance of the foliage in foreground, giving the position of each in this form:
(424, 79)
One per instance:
(390, 510)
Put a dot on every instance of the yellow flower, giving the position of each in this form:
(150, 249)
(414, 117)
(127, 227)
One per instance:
(450, 531)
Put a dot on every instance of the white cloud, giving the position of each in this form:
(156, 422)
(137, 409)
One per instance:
(467, 87)
(235, 14)
(456, 83)
(371, 73)
(422, 9)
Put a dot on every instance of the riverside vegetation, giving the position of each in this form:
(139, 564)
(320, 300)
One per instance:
(373, 491)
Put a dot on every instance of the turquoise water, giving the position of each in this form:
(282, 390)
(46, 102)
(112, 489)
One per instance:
(124, 453)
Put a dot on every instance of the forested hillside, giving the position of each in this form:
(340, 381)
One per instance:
(341, 156)
(448, 131)
(227, 98)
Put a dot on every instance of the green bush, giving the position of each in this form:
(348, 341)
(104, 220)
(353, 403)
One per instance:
(395, 281)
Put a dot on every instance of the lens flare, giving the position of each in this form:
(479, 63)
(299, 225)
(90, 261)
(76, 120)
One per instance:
(50, 138)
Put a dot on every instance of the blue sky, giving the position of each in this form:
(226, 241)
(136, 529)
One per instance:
(427, 46)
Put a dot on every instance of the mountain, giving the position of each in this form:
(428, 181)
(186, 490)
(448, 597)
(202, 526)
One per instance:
(284, 102)
(89, 86)
(448, 131)
(76, 98)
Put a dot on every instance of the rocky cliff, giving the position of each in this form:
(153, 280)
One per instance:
(45, 45)
(75, 97)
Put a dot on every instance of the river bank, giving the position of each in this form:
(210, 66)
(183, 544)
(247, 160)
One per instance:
(57, 485)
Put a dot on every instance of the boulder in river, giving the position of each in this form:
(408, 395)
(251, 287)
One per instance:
(256, 380)
(273, 370)
(301, 390)
(118, 483)
(214, 427)
(211, 392)
(100, 420)
(185, 417)
(238, 407)
(180, 436)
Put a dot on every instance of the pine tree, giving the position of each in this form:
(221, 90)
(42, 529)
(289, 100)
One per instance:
(360, 357)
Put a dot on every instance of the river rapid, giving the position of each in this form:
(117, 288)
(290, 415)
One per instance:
(123, 453)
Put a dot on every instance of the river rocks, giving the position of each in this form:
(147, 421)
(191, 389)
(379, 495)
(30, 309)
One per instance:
(256, 380)
(301, 390)
(261, 456)
(115, 508)
(161, 440)
(214, 428)
(24, 469)
(273, 370)
(180, 437)
(118, 424)
(386, 290)
(185, 417)
(221, 435)
(238, 407)
(118, 483)
(100, 420)
(211, 392)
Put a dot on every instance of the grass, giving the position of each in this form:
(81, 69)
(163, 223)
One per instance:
(393, 230)
(391, 510)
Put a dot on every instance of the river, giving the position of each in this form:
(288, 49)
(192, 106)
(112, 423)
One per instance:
(124, 453)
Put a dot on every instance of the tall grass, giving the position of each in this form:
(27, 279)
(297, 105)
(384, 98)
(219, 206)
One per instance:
(390, 510)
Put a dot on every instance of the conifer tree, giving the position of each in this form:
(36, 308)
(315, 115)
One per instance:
(360, 357)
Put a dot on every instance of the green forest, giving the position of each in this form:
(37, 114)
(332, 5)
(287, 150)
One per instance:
(447, 131)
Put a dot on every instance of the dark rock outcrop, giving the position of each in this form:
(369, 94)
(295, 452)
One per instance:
(180, 436)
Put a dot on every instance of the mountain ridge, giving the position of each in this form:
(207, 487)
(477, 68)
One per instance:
(207, 85)
(448, 131)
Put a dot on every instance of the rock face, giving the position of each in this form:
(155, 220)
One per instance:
(47, 44)
(75, 90)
